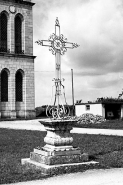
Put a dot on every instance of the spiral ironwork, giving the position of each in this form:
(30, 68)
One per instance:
(58, 110)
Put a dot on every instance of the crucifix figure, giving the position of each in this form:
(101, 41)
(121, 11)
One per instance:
(58, 45)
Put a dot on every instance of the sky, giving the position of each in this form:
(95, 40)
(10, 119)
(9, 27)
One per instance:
(97, 26)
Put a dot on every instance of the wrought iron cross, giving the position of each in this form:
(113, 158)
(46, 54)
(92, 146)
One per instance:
(58, 45)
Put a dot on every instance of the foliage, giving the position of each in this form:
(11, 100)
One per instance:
(41, 111)
(103, 100)
(108, 100)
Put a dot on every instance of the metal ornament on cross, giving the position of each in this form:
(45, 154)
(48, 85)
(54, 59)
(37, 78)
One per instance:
(58, 45)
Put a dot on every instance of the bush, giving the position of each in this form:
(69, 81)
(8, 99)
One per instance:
(41, 111)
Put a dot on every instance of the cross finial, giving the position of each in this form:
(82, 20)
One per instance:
(57, 22)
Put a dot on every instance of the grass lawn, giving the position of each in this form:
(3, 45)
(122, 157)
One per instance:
(111, 124)
(17, 144)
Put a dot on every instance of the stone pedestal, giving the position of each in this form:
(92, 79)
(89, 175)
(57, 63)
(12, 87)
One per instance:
(58, 155)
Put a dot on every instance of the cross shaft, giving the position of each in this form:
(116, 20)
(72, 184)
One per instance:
(58, 45)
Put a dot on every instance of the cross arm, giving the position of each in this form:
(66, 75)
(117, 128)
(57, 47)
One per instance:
(44, 43)
(70, 45)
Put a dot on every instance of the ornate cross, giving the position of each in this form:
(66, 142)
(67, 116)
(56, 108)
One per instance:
(58, 45)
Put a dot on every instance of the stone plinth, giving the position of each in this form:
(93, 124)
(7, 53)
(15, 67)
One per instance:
(60, 168)
(58, 154)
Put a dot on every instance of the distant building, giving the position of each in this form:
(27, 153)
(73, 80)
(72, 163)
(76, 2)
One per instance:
(108, 109)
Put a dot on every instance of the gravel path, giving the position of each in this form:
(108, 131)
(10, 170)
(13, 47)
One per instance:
(90, 177)
(35, 125)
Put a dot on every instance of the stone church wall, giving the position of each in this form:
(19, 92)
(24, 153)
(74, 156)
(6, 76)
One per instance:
(27, 27)
(13, 62)
(27, 106)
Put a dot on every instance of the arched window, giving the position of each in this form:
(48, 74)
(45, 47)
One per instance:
(19, 86)
(3, 32)
(4, 86)
(18, 34)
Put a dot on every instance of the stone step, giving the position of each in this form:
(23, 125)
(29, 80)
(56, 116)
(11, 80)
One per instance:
(59, 168)
(71, 151)
(58, 159)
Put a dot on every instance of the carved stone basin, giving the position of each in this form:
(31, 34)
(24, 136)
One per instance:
(58, 133)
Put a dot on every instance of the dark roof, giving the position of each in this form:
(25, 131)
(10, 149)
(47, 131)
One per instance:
(89, 103)
(105, 100)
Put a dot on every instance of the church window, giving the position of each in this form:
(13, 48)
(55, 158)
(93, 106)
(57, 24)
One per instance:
(19, 86)
(18, 34)
(4, 86)
(3, 32)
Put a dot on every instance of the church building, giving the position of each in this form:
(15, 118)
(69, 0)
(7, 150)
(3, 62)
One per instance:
(17, 91)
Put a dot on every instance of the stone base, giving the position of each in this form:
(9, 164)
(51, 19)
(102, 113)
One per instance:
(58, 159)
(59, 168)
(13, 114)
(5, 114)
(59, 150)
(26, 114)
(58, 162)
(58, 155)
